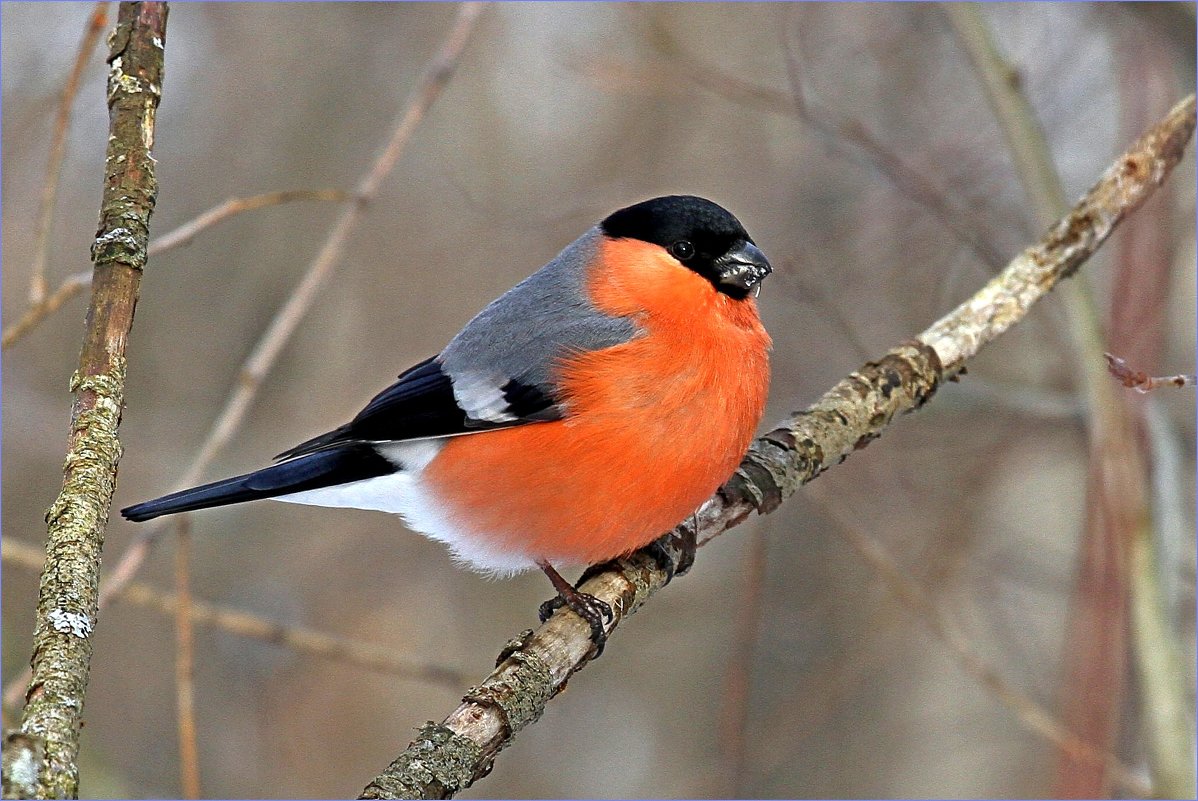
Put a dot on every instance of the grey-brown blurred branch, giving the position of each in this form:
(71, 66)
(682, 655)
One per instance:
(238, 205)
(49, 304)
(72, 286)
(189, 752)
(68, 597)
(448, 756)
(45, 216)
(379, 658)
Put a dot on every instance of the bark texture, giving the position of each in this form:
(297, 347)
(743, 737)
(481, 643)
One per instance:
(48, 745)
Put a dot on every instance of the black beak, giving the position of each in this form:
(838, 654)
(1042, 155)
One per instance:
(742, 268)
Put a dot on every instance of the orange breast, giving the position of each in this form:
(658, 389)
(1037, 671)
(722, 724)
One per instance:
(654, 425)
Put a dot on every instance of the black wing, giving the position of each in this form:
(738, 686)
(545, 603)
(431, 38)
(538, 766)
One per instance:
(421, 404)
(326, 468)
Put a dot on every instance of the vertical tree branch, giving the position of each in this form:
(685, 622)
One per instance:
(189, 757)
(1142, 274)
(67, 598)
(1095, 671)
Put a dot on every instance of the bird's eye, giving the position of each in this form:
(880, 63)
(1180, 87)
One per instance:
(682, 250)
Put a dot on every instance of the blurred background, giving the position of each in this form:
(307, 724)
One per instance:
(855, 143)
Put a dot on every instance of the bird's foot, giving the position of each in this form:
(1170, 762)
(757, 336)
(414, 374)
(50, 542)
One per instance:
(592, 610)
(686, 546)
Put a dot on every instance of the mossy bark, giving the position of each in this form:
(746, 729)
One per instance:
(67, 598)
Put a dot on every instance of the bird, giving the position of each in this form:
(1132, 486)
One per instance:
(587, 410)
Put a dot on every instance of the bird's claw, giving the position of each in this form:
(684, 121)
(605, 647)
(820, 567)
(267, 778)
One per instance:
(686, 546)
(592, 610)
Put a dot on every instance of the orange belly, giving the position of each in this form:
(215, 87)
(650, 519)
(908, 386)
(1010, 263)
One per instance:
(653, 427)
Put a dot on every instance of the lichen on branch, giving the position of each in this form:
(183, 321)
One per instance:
(67, 598)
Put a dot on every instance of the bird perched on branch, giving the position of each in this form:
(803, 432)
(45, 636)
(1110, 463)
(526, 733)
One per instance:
(588, 410)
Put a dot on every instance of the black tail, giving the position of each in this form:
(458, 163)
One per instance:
(350, 462)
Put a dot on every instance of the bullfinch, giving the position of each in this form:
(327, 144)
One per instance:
(589, 409)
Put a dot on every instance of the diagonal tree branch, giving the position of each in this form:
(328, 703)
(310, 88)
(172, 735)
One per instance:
(261, 359)
(1142, 382)
(238, 205)
(69, 288)
(68, 596)
(847, 138)
(451, 755)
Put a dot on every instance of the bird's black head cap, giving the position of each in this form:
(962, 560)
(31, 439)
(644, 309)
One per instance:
(702, 235)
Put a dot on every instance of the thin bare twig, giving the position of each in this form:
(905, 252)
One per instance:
(62, 120)
(449, 756)
(378, 658)
(39, 311)
(910, 183)
(72, 286)
(189, 755)
(234, 206)
(1141, 381)
(1095, 638)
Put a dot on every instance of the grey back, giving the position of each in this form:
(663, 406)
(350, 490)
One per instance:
(521, 336)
